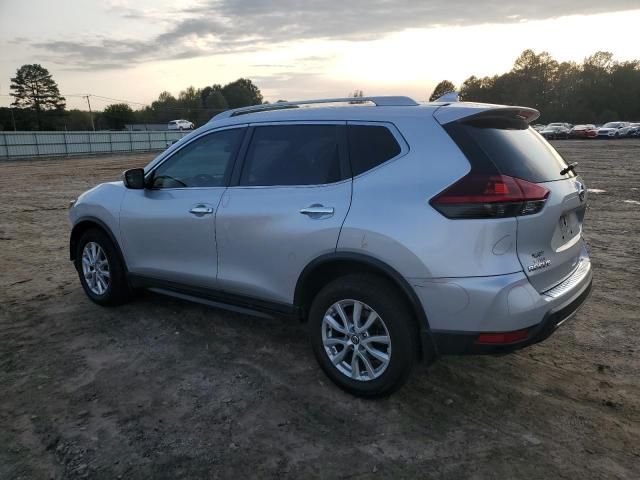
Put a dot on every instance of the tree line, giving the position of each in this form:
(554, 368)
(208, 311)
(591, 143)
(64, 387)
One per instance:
(38, 105)
(597, 90)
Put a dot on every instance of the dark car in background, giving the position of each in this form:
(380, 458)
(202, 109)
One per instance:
(555, 131)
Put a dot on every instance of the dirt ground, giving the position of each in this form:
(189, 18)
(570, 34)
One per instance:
(162, 388)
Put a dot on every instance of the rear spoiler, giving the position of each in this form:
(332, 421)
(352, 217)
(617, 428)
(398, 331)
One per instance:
(478, 112)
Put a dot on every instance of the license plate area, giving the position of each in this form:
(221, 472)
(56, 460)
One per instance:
(567, 230)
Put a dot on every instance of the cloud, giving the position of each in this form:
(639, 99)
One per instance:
(223, 26)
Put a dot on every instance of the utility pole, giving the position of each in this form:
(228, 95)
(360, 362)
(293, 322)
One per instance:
(90, 114)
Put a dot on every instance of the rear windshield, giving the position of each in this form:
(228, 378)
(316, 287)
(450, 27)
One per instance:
(513, 149)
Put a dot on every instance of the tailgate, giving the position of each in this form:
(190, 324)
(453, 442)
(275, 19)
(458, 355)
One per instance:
(549, 243)
(499, 140)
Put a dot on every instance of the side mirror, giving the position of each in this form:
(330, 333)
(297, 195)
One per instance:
(134, 178)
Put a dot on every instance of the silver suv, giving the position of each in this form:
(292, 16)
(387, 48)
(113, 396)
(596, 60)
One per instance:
(396, 231)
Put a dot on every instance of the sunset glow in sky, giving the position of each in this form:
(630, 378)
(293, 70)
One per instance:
(133, 50)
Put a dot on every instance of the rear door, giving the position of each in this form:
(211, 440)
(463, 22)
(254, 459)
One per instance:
(286, 208)
(549, 243)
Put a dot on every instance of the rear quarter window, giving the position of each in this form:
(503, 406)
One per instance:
(370, 146)
(515, 150)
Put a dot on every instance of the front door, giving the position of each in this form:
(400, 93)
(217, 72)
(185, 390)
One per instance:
(168, 229)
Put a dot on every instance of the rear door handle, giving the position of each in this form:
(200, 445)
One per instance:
(316, 210)
(201, 210)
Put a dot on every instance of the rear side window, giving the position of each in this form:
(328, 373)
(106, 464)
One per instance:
(293, 155)
(513, 149)
(370, 146)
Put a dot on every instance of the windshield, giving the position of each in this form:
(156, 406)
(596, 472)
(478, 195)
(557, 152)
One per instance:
(613, 125)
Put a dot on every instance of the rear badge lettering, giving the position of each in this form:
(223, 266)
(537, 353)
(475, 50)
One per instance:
(538, 264)
(539, 261)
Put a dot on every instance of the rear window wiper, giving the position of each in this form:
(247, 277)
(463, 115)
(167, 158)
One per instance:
(570, 168)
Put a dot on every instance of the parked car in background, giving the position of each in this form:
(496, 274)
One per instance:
(180, 125)
(614, 130)
(555, 131)
(584, 131)
(538, 127)
(561, 124)
(634, 130)
(333, 217)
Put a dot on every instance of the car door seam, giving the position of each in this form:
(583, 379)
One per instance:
(215, 231)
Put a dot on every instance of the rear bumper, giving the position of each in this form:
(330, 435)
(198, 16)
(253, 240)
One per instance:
(448, 343)
(461, 309)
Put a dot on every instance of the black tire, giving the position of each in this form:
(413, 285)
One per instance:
(392, 308)
(117, 291)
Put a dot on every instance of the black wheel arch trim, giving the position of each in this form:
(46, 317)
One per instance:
(427, 342)
(73, 238)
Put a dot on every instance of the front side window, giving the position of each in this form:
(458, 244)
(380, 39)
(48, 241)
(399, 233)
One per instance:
(202, 163)
(293, 155)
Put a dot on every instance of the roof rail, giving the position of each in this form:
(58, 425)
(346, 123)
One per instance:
(388, 101)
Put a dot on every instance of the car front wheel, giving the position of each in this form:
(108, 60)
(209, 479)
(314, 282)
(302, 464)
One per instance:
(362, 335)
(101, 271)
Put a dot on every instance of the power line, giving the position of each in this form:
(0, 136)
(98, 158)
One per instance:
(121, 101)
(132, 102)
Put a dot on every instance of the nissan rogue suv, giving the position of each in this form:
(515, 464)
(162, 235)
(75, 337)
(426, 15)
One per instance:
(398, 232)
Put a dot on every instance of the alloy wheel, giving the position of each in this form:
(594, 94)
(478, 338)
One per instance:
(95, 268)
(356, 340)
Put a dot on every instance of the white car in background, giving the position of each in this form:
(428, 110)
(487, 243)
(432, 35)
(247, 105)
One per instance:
(180, 125)
(614, 130)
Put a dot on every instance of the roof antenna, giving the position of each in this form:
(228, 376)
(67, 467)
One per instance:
(449, 97)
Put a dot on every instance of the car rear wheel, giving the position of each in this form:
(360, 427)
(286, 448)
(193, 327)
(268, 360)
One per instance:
(361, 330)
(101, 271)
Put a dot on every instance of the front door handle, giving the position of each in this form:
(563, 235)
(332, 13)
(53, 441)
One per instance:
(201, 210)
(316, 210)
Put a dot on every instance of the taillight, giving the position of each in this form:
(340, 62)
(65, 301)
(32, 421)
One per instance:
(490, 196)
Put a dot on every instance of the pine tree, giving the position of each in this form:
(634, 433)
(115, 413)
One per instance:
(34, 88)
(445, 86)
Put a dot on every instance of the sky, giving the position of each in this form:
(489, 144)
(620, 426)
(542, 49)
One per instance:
(296, 49)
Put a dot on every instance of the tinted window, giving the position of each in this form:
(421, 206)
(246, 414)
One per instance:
(515, 150)
(202, 163)
(369, 146)
(293, 155)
